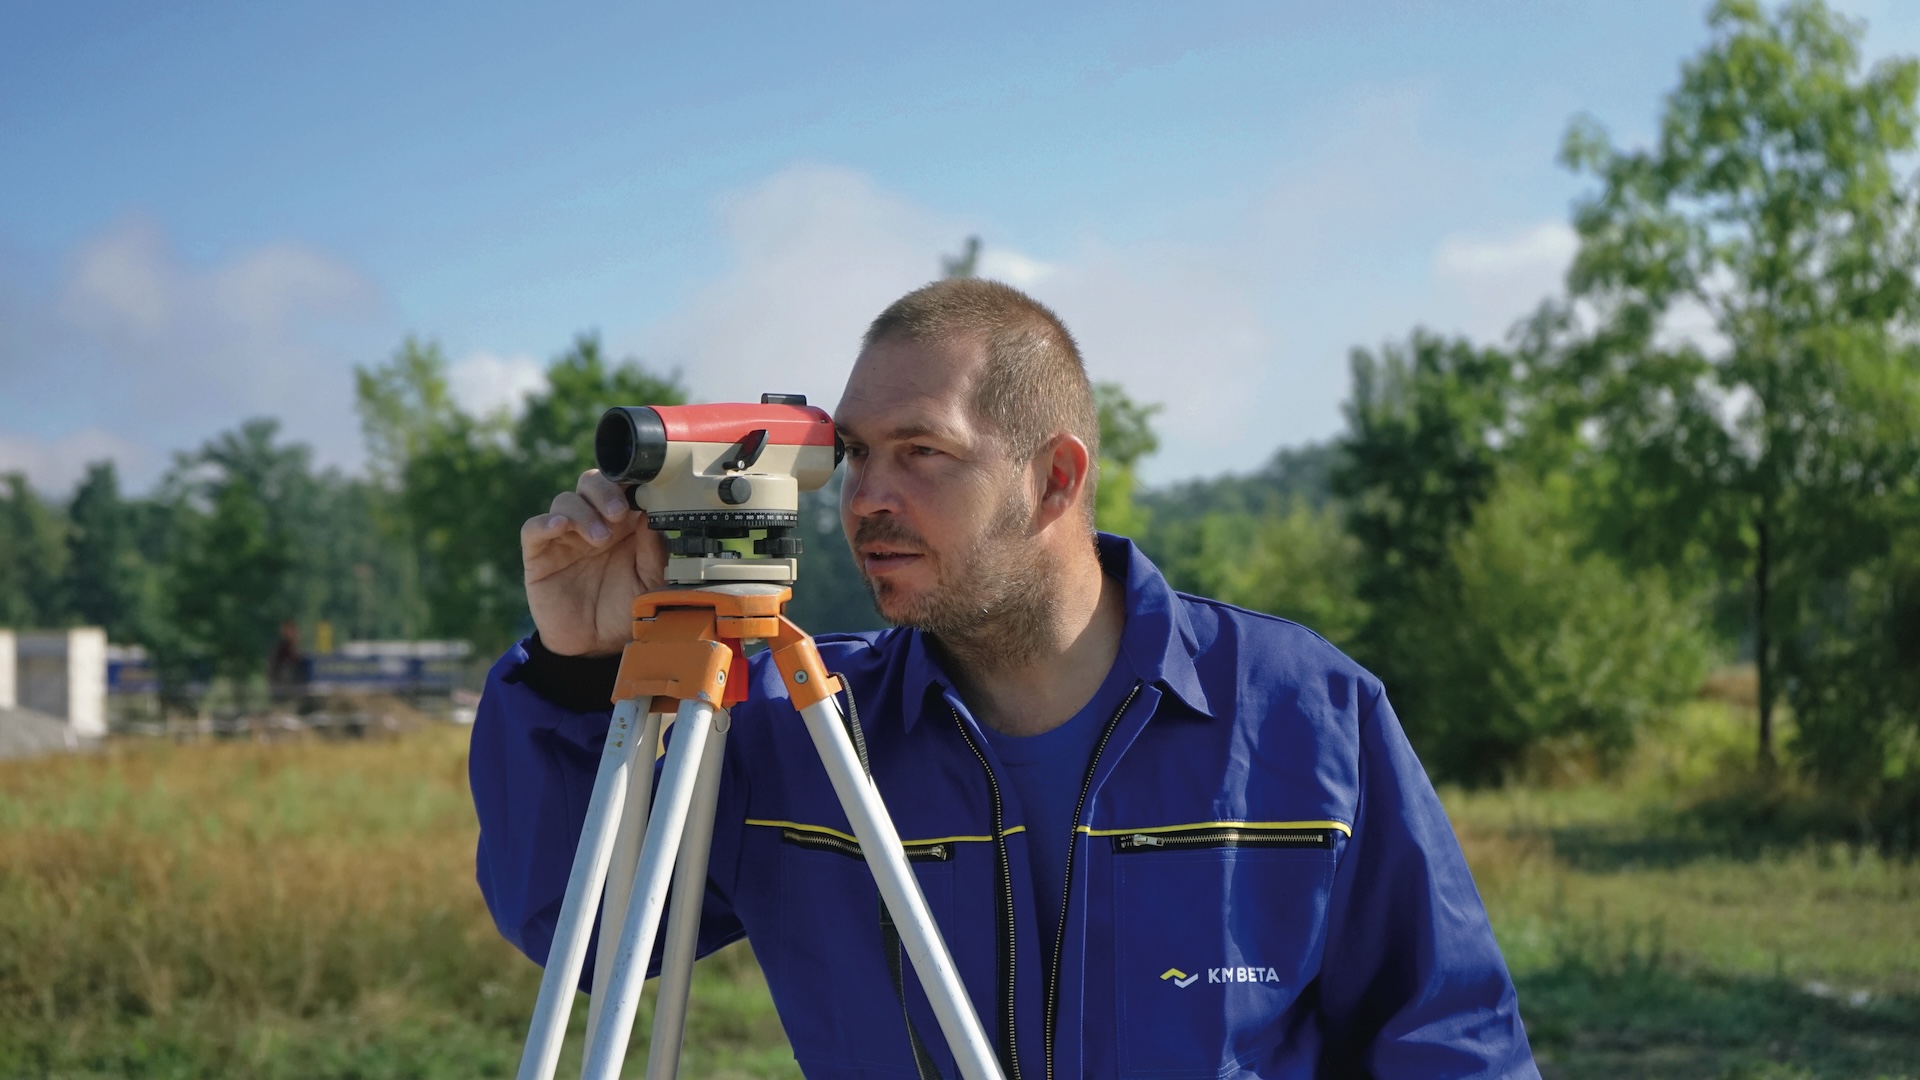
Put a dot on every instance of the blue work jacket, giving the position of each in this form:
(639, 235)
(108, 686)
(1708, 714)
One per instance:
(1261, 883)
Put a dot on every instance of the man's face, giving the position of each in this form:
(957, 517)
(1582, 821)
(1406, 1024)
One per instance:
(938, 515)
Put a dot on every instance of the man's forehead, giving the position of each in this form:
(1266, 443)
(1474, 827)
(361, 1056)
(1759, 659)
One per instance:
(897, 383)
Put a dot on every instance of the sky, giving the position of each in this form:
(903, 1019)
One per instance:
(217, 211)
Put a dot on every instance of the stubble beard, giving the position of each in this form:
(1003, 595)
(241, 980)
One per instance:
(992, 612)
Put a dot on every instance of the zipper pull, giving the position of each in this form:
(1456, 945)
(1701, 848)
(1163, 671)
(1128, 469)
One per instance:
(1143, 840)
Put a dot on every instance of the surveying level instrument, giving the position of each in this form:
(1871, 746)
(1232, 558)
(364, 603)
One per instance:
(711, 473)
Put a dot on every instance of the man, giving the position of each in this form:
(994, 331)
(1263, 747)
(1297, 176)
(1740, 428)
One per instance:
(1162, 836)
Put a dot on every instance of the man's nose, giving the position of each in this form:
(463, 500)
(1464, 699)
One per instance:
(869, 490)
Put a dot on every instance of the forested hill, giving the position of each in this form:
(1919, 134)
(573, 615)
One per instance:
(1302, 473)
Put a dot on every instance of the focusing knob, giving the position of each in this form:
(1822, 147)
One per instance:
(779, 547)
(735, 490)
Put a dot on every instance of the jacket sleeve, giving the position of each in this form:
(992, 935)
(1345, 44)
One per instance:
(1413, 984)
(531, 770)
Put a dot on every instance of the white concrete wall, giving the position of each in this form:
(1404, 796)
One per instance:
(9, 671)
(63, 673)
(87, 682)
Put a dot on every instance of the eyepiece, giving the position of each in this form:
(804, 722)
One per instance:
(630, 445)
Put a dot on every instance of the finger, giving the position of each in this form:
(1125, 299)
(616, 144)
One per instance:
(582, 516)
(542, 529)
(609, 497)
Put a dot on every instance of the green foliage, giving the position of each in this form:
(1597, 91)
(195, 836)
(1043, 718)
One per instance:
(1293, 473)
(31, 556)
(1300, 564)
(108, 582)
(1424, 425)
(230, 584)
(1544, 648)
(1419, 456)
(462, 485)
(1126, 436)
(1775, 206)
(1499, 634)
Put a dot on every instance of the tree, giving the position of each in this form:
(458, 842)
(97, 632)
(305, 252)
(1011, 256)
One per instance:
(1420, 455)
(1295, 561)
(31, 557)
(1126, 436)
(463, 485)
(107, 582)
(1546, 644)
(231, 581)
(1772, 207)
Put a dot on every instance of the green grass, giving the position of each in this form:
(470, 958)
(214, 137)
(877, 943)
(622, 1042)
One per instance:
(1648, 939)
(307, 910)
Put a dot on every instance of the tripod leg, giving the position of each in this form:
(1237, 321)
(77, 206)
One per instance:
(683, 915)
(568, 952)
(607, 1043)
(972, 1051)
(626, 853)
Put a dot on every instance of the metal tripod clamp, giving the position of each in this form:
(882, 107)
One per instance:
(687, 656)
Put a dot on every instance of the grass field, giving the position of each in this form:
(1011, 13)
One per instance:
(307, 910)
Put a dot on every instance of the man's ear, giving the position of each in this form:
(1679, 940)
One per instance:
(1065, 474)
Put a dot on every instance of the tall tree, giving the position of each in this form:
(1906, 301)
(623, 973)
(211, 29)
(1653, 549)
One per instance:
(107, 582)
(1425, 423)
(231, 582)
(31, 557)
(464, 484)
(1774, 210)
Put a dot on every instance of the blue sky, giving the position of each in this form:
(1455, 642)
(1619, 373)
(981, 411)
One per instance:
(216, 211)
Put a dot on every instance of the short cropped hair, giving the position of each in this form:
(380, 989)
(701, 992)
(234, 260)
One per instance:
(1034, 385)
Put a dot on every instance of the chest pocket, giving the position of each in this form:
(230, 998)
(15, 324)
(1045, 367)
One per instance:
(1220, 929)
(830, 939)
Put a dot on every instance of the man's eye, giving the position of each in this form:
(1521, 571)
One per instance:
(854, 450)
(923, 451)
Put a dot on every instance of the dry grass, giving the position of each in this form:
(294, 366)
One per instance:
(306, 909)
(235, 909)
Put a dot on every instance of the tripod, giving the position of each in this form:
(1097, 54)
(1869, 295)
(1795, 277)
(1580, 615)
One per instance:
(688, 654)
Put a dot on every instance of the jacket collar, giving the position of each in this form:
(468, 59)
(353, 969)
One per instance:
(1158, 640)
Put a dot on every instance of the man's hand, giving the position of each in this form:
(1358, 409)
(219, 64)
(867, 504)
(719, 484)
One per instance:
(586, 559)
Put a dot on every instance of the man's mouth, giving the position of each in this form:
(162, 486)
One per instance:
(885, 558)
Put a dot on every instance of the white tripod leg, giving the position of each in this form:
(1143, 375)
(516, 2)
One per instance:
(568, 953)
(901, 891)
(626, 854)
(607, 1042)
(683, 915)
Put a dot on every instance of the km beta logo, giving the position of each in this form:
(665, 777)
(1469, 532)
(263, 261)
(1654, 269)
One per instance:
(1222, 975)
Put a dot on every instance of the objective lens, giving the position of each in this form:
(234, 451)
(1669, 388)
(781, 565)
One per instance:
(630, 445)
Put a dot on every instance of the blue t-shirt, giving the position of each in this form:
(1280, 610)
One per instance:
(1047, 772)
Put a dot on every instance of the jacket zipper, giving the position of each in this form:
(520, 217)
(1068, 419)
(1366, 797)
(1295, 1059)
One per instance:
(1010, 1053)
(1224, 836)
(1066, 890)
(936, 852)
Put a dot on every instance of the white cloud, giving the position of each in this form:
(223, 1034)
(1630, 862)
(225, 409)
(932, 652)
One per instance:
(1547, 247)
(54, 465)
(1492, 281)
(137, 341)
(485, 382)
(818, 252)
(1020, 271)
